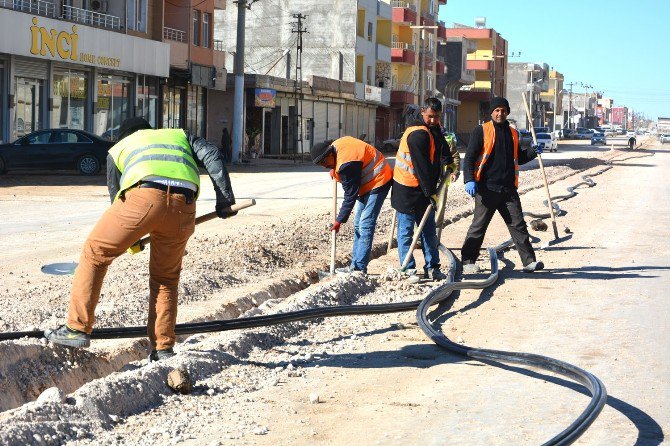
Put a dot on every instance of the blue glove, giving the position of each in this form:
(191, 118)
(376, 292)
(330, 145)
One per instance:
(471, 188)
(538, 148)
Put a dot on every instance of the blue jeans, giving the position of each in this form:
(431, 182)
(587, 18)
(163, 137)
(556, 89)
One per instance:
(367, 211)
(406, 223)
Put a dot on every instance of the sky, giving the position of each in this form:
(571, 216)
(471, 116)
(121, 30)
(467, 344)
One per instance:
(619, 47)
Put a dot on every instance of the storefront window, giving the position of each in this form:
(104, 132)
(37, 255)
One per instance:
(27, 106)
(113, 104)
(147, 98)
(69, 99)
(172, 107)
(195, 111)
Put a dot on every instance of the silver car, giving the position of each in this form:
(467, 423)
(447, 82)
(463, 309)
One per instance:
(598, 138)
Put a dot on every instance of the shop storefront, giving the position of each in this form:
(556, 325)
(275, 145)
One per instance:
(59, 74)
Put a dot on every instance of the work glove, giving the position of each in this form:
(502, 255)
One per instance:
(223, 210)
(433, 201)
(471, 188)
(335, 226)
(538, 148)
(332, 174)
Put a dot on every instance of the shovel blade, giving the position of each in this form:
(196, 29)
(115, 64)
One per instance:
(555, 241)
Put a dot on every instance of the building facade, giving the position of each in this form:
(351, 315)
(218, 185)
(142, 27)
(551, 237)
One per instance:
(90, 64)
(531, 79)
(455, 51)
(553, 114)
(415, 60)
(329, 89)
(489, 63)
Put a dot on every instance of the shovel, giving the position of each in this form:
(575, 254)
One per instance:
(557, 239)
(441, 204)
(333, 238)
(68, 268)
(415, 239)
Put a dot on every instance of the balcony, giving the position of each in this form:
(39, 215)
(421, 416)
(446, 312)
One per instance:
(39, 7)
(404, 12)
(384, 10)
(178, 47)
(440, 67)
(219, 65)
(403, 53)
(382, 53)
(480, 65)
(441, 31)
(91, 18)
(428, 20)
(402, 94)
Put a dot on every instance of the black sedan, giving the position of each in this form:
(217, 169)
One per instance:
(56, 149)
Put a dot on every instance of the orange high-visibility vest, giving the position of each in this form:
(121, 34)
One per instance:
(376, 171)
(403, 172)
(489, 141)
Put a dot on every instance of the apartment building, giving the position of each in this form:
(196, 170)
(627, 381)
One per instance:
(489, 63)
(553, 116)
(416, 63)
(455, 51)
(330, 88)
(532, 79)
(90, 64)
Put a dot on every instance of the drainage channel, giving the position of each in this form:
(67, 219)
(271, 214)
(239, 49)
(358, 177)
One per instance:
(438, 294)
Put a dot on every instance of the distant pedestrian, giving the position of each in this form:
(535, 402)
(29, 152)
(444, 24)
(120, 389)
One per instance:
(631, 142)
(365, 176)
(226, 146)
(491, 176)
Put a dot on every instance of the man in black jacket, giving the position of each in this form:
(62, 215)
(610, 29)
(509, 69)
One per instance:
(415, 176)
(491, 176)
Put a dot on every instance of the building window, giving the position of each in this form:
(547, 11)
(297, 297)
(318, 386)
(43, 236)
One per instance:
(70, 97)
(369, 75)
(136, 15)
(341, 66)
(288, 65)
(205, 29)
(430, 82)
(196, 27)
(172, 107)
(147, 98)
(113, 105)
(195, 111)
(370, 31)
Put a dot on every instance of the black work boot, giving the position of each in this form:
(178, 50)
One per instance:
(157, 355)
(435, 274)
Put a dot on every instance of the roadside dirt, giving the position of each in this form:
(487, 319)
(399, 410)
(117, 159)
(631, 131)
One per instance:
(374, 376)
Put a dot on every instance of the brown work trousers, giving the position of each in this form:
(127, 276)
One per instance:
(170, 220)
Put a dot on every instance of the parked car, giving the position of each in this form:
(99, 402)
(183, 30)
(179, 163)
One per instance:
(630, 133)
(390, 145)
(565, 134)
(541, 130)
(525, 138)
(56, 149)
(665, 138)
(598, 138)
(583, 133)
(547, 141)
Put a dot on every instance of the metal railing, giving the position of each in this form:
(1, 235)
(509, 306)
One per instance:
(403, 4)
(176, 34)
(91, 17)
(39, 7)
(402, 46)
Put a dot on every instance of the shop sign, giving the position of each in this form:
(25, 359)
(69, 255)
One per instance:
(265, 97)
(45, 38)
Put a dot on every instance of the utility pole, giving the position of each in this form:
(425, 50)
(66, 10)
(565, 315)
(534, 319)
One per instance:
(422, 59)
(238, 70)
(297, 86)
(570, 106)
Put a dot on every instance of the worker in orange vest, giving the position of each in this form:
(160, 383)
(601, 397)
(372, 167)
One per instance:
(417, 171)
(365, 177)
(491, 176)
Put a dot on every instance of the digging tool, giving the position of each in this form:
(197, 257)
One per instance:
(68, 268)
(415, 239)
(544, 175)
(333, 238)
(442, 203)
(394, 218)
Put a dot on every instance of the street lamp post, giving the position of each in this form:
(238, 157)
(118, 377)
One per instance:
(422, 58)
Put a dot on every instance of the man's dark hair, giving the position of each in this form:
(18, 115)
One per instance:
(433, 103)
(131, 125)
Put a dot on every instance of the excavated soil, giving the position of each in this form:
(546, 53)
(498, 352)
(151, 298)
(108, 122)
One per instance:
(262, 268)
